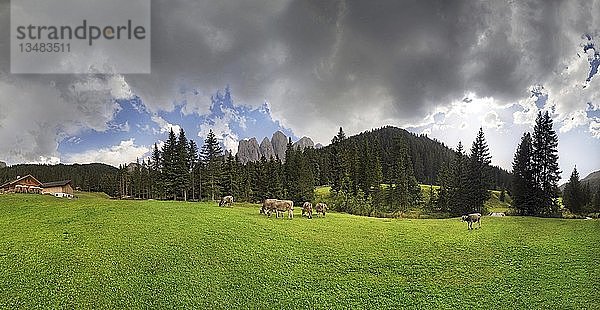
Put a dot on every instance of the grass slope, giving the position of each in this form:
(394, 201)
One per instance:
(98, 253)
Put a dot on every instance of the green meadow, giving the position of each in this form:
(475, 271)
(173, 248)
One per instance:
(93, 252)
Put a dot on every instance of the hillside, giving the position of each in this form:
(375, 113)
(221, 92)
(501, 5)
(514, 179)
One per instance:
(93, 253)
(427, 155)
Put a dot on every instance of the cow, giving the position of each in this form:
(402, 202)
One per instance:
(307, 209)
(321, 208)
(283, 206)
(279, 206)
(268, 207)
(472, 218)
(227, 200)
(497, 214)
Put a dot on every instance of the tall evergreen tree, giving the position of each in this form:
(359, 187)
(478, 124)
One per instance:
(403, 190)
(182, 165)
(573, 196)
(156, 173)
(229, 183)
(169, 165)
(524, 185)
(193, 159)
(338, 162)
(212, 156)
(545, 164)
(341, 136)
(479, 173)
(458, 191)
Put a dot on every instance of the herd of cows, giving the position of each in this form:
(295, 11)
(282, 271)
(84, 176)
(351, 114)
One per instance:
(280, 207)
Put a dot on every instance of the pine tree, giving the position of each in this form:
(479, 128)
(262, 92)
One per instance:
(338, 162)
(403, 190)
(169, 165)
(524, 185)
(182, 165)
(273, 175)
(479, 175)
(458, 200)
(229, 182)
(212, 156)
(341, 136)
(156, 173)
(193, 160)
(545, 164)
(573, 194)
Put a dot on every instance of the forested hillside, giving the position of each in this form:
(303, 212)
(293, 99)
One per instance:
(427, 155)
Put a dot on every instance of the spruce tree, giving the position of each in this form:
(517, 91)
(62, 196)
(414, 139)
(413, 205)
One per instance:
(156, 173)
(338, 162)
(182, 165)
(212, 156)
(403, 190)
(193, 166)
(458, 187)
(479, 173)
(573, 196)
(545, 164)
(341, 136)
(229, 182)
(169, 165)
(523, 184)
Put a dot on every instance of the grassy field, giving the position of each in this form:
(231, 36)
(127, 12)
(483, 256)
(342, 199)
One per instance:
(98, 253)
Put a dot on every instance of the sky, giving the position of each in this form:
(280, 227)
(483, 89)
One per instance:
(442, 68)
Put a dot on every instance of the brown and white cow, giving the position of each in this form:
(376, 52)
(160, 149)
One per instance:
(283, 206)
(321, 208)
(279, 206)
(472, 218)
(269, 205)
(227, 200)
(307, 209)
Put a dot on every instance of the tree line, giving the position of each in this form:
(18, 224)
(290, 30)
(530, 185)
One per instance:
(536, 174)
(180, 171)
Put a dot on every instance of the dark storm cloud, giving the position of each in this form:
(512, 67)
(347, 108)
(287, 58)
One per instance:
(360, 64)
(336, 61)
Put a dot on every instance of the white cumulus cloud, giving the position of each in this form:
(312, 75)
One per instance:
(125, 152)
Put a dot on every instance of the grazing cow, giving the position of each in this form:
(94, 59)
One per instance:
(472, 218)
(321, 208)
(283, 206)
(497, 214)
(307, 209)
(268, 207)
(227, 200)
(279, 206)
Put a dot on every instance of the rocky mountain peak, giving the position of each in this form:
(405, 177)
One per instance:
(304, 142)
(279, 142)
(266, 149)
(248, 150)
